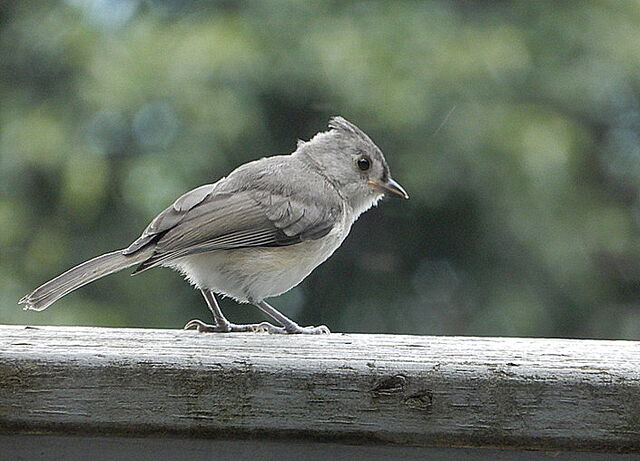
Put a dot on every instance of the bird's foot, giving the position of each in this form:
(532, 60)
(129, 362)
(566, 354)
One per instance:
(224, 328)
(264, 327)
(293, 329)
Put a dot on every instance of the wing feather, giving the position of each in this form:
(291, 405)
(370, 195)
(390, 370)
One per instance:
(171, 216)
(238, 220)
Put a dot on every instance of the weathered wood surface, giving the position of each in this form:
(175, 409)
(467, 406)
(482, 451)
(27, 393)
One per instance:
(407, 390)
(57, 447)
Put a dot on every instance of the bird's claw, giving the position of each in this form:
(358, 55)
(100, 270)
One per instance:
(228, 327)
(311, 330)
(204, 327)
(266, 327)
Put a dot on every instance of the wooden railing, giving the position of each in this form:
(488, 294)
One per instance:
(398, 394)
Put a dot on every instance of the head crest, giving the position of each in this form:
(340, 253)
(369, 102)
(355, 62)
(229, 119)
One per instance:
(344, 125)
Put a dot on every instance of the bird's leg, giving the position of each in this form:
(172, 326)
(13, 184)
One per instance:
(288, 325)
(221, 325)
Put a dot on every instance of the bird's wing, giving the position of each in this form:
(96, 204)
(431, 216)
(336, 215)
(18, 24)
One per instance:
(250, 218)
(170, 217)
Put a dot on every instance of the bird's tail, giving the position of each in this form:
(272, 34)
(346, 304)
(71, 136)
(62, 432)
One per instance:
(48, 293)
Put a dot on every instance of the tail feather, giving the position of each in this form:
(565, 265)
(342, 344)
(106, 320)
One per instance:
(48, 293)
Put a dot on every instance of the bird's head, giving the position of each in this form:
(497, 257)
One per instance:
(351, 161)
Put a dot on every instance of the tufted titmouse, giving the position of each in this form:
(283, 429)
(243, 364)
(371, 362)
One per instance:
(256, 233)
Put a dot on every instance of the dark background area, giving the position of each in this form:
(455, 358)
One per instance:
(513, 125)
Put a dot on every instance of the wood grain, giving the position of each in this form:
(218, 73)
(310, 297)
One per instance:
(407, 390)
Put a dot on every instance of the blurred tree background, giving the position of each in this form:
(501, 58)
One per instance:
(514, 125)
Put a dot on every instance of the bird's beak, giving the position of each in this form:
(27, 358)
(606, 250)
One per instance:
(390, 186)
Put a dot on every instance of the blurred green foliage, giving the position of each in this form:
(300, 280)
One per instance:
(514, 125)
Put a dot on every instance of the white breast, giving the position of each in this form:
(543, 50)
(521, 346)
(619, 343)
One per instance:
(252, 274)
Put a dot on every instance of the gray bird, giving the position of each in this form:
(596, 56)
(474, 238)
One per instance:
(256, 233)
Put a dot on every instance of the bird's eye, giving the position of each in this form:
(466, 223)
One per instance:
(364, 163)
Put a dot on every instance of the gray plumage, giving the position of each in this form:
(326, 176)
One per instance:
(257, 232)
(80, 275)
